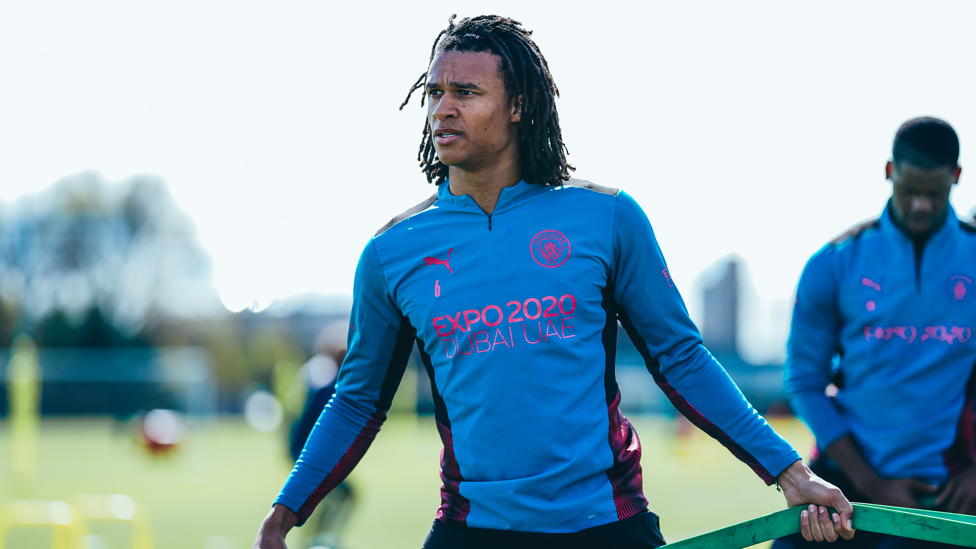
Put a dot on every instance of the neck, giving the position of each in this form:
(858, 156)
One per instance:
(484, 185)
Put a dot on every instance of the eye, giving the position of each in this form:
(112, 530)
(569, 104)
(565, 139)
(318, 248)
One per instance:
(434, 92)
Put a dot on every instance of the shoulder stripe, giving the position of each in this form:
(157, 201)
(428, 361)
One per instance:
(412, 211)
(855, 231)
(582, 183)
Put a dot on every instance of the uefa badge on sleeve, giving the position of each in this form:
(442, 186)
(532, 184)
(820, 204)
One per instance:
(549, 248)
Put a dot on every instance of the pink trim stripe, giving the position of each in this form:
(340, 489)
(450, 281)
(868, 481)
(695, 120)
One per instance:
(454, 507)
(713, 431)
(625, 474)
(962, 453)
(344, 467)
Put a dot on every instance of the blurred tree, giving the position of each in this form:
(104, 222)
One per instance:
(87, 262)
(57, 330)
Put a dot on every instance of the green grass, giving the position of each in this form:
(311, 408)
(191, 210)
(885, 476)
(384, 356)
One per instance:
(213, 492)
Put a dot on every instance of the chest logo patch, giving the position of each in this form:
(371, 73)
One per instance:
(550, 248)
(445, 262)
(960, 288)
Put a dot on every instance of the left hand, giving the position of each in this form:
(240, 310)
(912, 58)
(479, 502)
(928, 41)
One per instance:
(801, 486)
(959, 494)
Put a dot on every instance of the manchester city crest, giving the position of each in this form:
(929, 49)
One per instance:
(549, 248)
(959, 288)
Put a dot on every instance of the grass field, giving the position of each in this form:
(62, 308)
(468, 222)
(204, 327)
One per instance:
(213, 492)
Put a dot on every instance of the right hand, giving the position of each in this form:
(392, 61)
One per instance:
(899, 492)
(801, 486)
(274, 528)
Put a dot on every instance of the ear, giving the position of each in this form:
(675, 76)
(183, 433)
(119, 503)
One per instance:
(956, 174)
(516, 109)
(889, 170)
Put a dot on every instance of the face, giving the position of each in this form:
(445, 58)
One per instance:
(920, 197)
(474, 123)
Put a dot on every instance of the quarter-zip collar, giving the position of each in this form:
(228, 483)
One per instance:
(934, 244)
(509, 197)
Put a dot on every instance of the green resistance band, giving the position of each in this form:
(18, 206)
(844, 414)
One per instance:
(909, 523)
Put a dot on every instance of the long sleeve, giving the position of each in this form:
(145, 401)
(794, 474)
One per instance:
(380, 340)
(814, 340)
(657, 321)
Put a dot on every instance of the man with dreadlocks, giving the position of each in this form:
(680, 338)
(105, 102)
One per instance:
(512, 279)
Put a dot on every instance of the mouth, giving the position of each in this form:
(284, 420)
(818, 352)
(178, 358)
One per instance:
(919, 224)
(446, 137)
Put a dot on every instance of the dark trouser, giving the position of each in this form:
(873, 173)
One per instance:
(637, 532)
(861, 540)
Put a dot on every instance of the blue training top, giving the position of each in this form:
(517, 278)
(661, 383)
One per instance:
(515, 315)
(901, 330)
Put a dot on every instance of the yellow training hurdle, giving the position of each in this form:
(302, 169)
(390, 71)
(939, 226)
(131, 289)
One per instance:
(69, 522)
(68, 529)
(117, 508)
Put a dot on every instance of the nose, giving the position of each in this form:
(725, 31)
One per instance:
(443, 108)
(922, 205)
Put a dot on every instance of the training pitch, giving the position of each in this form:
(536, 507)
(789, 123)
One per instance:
(212, 492)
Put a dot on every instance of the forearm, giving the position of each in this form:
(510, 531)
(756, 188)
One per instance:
(899, 492)
(337, 443)
(276, 525)
(789, 481)
(850, 460)
(704, 389)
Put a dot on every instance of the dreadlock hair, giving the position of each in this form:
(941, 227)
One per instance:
(527, 79)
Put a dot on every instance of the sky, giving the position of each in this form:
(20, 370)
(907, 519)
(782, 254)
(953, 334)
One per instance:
(758, 129)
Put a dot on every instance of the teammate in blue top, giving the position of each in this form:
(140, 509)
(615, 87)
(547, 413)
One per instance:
(511, 280)
(881, 354)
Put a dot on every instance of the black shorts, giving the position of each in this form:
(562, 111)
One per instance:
(640, 531)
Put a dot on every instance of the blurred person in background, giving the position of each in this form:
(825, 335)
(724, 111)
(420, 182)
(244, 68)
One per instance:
(881, 346)
(511, 279)
(319, 375)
